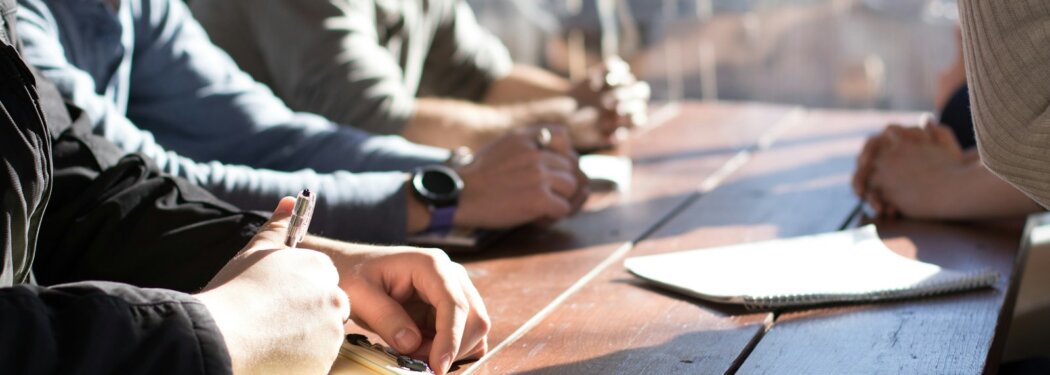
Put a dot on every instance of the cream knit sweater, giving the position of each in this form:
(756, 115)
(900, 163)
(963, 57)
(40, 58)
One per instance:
(1007, 49)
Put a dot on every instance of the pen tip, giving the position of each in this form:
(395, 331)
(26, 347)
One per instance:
(306, 192)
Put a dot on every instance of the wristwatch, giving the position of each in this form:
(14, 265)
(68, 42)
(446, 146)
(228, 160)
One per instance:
(438, 186)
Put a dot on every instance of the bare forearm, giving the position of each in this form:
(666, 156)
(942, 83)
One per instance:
(452, 123)
(527, 83)
(331, 247)
(977, 193)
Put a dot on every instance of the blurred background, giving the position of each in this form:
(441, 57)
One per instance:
(883, 54)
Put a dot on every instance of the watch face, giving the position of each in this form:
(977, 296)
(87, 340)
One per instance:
(438, 184)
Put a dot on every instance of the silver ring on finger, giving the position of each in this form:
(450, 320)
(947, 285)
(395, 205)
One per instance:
(543, 139)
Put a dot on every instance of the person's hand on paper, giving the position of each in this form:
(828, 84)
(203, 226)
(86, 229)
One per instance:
(280, 310)
(419, 302)
(906, 170)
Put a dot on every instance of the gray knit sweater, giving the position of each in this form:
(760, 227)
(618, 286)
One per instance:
(1007, 48)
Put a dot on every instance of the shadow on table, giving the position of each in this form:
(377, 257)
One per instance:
(615, 224)
(798, 200)
(703, 352)
(717, 151)
(719, 308)
(777, 197)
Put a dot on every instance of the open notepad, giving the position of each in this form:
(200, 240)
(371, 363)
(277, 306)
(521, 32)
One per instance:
(607, 172)
(846, 266)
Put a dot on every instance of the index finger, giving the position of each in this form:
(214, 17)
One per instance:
(451, 309)
(475, 338)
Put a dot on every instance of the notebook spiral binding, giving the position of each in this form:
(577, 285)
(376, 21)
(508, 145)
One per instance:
(925, 289)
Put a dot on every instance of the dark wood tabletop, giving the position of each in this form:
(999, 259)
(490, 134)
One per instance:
(714, 174)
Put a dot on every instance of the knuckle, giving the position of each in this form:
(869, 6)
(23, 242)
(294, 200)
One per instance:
(434, 256)
(460, 307)
(484, 323)
(337, 299)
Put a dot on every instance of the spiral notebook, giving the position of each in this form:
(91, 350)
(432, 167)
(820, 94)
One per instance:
(839, 267)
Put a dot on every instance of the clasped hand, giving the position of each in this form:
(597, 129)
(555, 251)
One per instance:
(610, 99)
(906, 170)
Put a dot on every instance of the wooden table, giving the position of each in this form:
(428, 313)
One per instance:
(724, 173)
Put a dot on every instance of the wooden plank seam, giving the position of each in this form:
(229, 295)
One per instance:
(709, 184)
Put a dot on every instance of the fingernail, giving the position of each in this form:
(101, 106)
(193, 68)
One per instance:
(405, 340)
(446, 363)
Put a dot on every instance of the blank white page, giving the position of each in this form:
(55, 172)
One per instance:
(852, 265)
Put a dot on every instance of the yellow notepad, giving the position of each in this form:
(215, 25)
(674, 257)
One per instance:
(846, 266)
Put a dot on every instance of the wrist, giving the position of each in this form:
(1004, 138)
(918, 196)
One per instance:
(437, 187)
(418, 214)
(949, 201)
(226, 327)
(555, 109)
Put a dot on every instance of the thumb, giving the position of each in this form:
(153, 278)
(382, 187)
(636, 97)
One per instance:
(273, 233)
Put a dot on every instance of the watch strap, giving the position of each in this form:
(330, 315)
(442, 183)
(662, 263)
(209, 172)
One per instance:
(441, 218)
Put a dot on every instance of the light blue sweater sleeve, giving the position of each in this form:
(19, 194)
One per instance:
(218, 127)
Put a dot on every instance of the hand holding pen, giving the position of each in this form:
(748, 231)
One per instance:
(278, 308)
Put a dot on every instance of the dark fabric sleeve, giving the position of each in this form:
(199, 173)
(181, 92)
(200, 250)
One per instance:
(24, 169)
(96, 327)
(957, 116)
(117, 218)
(107, 328)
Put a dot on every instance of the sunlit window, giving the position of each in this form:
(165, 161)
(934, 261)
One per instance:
(824, 53)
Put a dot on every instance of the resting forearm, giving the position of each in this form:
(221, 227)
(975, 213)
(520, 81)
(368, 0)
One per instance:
(452, 123)
(980, 194)
(526, 83)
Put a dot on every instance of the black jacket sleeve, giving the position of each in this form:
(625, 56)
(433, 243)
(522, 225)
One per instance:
(115, 217)
(109, 217)
(107, 328)
(88, 327)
